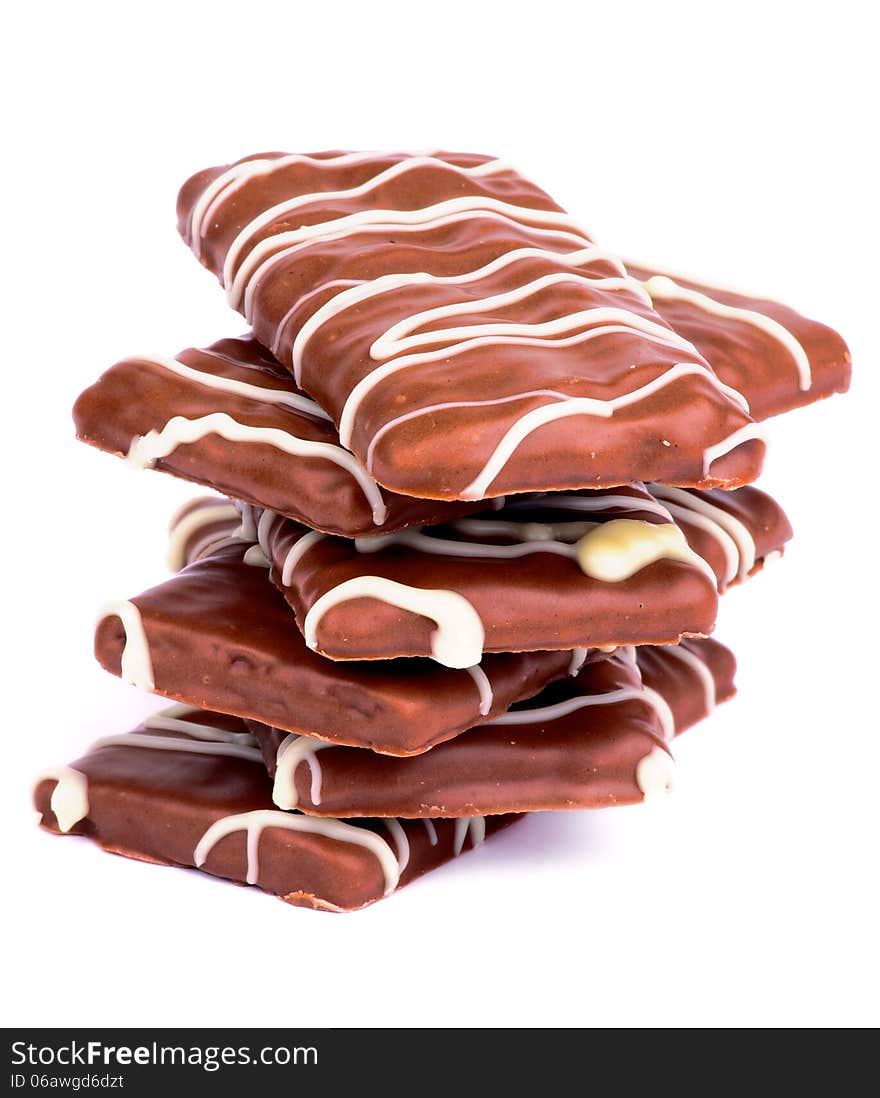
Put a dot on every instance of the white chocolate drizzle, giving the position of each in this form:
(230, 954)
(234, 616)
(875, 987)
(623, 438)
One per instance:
(698, 666)
(557, 711)
(662, 288)
(296, 552)
(292, 751)
(617, 549)
(481, 680)
(170, 720)
(185, 526)
(136, 665)
(146, 449)
(748, 433)
(732, 535)
(295, 402)
(431, 829)
(401, 842)
(202, 746)
(654, 773)
(70, 797)
(578, 659)
(456, 642)
(475, 826)
(593, 406)
(254, 823)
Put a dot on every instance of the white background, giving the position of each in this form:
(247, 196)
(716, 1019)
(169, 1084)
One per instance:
(734, 142)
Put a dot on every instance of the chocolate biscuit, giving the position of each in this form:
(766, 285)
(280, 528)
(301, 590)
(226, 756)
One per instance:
(465, 334)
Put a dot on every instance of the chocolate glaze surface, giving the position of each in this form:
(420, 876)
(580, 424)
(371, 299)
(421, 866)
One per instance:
(538, 599)
(758, 360)
(220, 636)
(564, 758)
(157, 805)
(140, 396)
(454, 368)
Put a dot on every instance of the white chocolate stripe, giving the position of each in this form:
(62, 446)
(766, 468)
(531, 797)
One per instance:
(481, 680)
(254, 823)
(578, 659)
(549, 413)
(164, 721)
(654, 773)
(565, 532)
(401, 842)
(70, 797)
(662, 288)
(456, 642)
(183, 527)
(291, 752)
(148, 448)
(300, 302)
(431, 829)
(446, 547)
(355, 296)
(284, 397)
(585, 502)
(475, 826)
(296, 552)
(744, 434)
(698, 666)
(251, 269)
(290, 205)
(182, 744)
(572, 705)
(733, 535)
(136, 666)
(542, 335)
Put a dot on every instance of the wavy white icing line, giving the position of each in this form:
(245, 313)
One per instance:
(447, 547)
(654, 773)
(732, 534)
(168, 720)
(296, 552)
(255, 822)
(184, 527)
(136, 665)
(401, 842)
(593, 406)
(275, 247)
(264, 530)
(663, 288)
(181, 743)
(431, 829)
(562, 709)
(544, 334)
(578, 659)
(301, 302)
(484, 687)
(265, 395)
(596, 501)
(456, 642)
(581, 257)
(744, 434)
(70, 797)
(475, 826)
(147, 449)
(292, 751)
(233, 179)
(248, 529)
(698, 666)
(565, 532)
(385, 175)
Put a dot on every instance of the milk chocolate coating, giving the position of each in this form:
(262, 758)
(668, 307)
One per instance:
(750, 360)
(587, 758)
(221, 637)
(155, 806)
(430, 429)
(139, 395)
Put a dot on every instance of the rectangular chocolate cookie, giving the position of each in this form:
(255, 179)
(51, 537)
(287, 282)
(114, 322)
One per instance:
(220, 636)
(591, 741)
(467, 337)
(202, 798)
(592, 569)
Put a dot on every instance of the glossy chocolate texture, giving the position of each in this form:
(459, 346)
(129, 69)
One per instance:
(156, 805)
(539, 600)
(139, 395)
(752, 360)
(221, 637)
(432, 427)
(585, 758)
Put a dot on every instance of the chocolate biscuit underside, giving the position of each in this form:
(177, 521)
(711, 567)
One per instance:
(467, 337)
(566, 748)
(192, 806)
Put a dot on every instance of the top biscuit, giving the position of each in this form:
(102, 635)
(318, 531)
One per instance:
(464, 333)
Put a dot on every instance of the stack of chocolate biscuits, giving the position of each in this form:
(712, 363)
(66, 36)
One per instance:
(478, 488)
